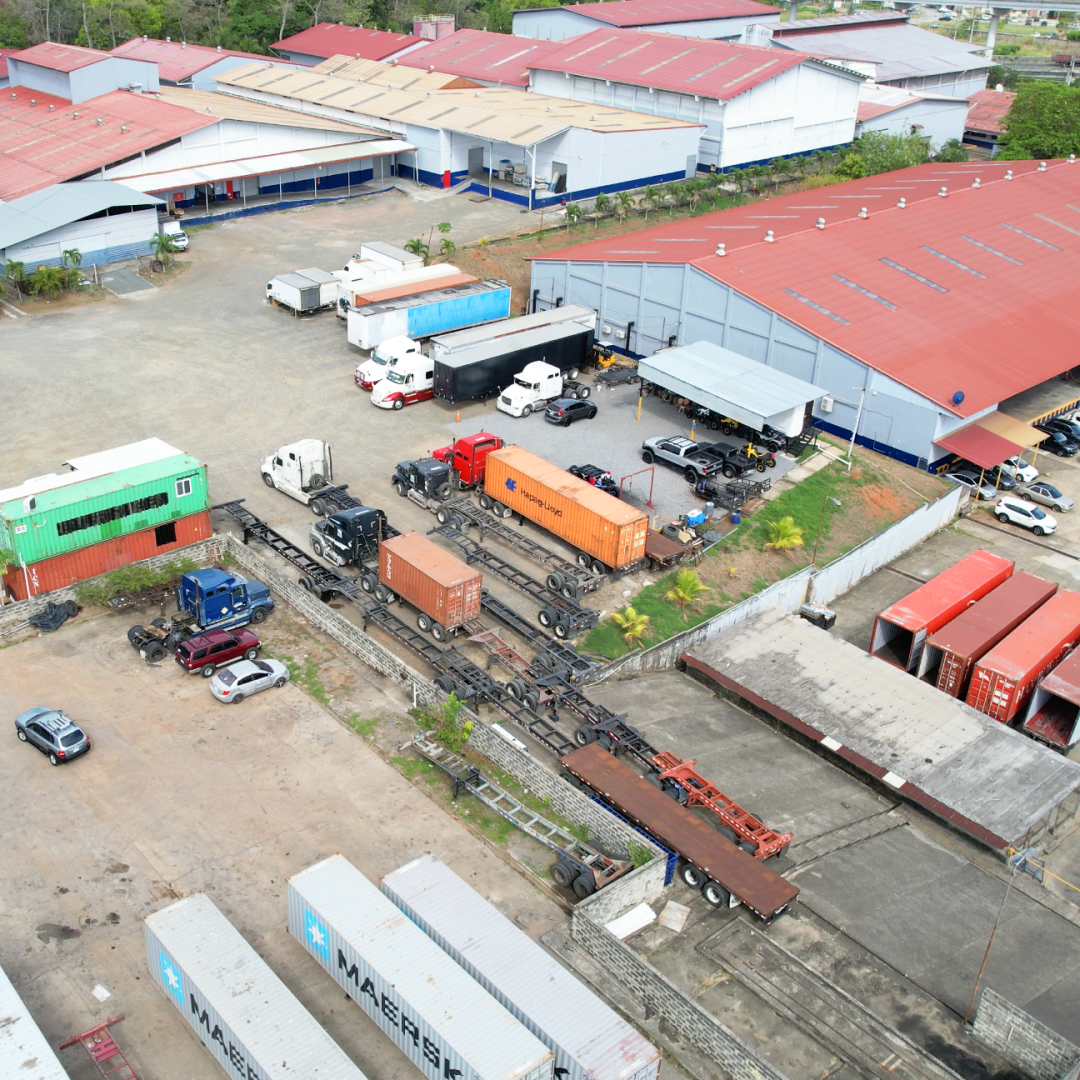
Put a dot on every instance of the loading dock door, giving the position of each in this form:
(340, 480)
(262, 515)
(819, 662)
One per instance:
(476, 160)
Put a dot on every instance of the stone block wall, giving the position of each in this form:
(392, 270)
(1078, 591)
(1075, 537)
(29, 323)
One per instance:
(1018, 1037)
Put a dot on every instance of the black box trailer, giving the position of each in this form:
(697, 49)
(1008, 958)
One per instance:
(484, 370)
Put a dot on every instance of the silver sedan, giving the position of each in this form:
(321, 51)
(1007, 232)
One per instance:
(1048, 495)
(970, 480)
(247, 677)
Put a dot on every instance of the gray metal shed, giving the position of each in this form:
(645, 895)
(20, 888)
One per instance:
(732, 385)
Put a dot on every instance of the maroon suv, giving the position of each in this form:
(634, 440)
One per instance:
(207, 651)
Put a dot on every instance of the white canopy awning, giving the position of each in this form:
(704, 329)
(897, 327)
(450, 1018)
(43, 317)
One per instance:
(732, 385)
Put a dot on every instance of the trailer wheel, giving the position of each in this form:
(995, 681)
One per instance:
(584, 736)
(531, 701)
(563, 873)
(424, 623)
(572, 780)
(568, 591)
(555, 581)
(134, 634)
(583, 559)
(438, 631)
(485, 501)
(445, 683)
(459, 523)
(318, 507)
(675, 791)
(561, 630)
(258, 615)
(573, 373)
(584, 886)
(749, 847)
(583, 392)
(542, 662)
(154, 653)
(381, 593)
(715, 894)
(442, 515)
(505, 511)
(307, 583)
(367, 583)
(728, 834)
(516, 688)
(598, 568)
(545, 617)
(691, 875)
(526, 410)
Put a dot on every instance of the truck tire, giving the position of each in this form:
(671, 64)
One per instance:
(268, 480)
(555, 581)
(380, 593)
(154, 653)
(715, 894)
(402, 490)
(728, 834)
(316, 546)
(573, 373)
(572, 780)
(399, 403)
(134, 634)
(690, 475)
(526, 410)
(442, 515)
(570, 392)
(367, 583)
(252, 653)
(584, 886)
(531, 701)
(598, 568)
(542, 663)
(728, 472)
(648, 457)
(583, 392)
(438, 631)
(568, 591)
(442, 491)
(258, 614)
(485, 501)
(691, 875)
(563, 873)
(318, 507)
(583, 559)
(584, 736)
(445, 683)
(424, 622)
(560, 630)
(546, 617)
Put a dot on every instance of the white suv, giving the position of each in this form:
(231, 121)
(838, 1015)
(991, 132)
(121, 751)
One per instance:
(1020, 471)
(1022, 512)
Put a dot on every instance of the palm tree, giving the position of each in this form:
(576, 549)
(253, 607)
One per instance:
(673, 196)
(650, 199)
(71, 257)
(777, 166)
(601, 206)
(632, 625)
(693, 189)
(818, 156)
(15, 272)
(47, 281)
(784, 535)
(417, 246)
(624, 203)
(163, 247)
(447, 247)
(686, 588)
(573, 214)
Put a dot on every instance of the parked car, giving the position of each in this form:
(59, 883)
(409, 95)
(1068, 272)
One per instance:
(566, 410)
(206, 652)
(1058, 443)
(1069, 428)
(247, 677)
(1048, 495)
(52, 732)
(733, 462)
(684, 454)
(1019, 470)
(1001, 480)
(1021, 512)
(970, 479)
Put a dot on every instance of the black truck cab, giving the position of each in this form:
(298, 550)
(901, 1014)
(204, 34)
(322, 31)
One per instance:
(349, 538)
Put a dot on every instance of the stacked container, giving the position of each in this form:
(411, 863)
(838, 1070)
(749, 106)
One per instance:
(25, 1054)
(241, 1011)
(589, 1040)
(901, 630)
(436, 1013)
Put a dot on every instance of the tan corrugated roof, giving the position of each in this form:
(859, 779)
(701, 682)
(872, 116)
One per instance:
(227, 107)
(392, 76)
(497, 113)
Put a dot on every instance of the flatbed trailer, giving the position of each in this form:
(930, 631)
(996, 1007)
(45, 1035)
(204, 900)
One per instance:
(581, 866)
(726, 875)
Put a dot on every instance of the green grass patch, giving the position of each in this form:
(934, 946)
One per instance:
(413, 766)
(362, 727)
(306, 676)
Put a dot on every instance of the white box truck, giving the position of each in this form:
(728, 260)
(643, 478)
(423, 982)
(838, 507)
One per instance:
(393, 258)
(304, 291)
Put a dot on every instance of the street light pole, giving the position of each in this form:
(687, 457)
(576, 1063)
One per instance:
(821, 522)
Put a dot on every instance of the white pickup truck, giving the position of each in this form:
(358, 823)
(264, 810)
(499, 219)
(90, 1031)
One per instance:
(301, 470)
(535, 386)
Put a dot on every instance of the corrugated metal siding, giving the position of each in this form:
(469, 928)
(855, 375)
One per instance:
(439, 1016)
(94, 239)
(24, 1052)
(590, 1041)
(88, 562)
(241, 1011)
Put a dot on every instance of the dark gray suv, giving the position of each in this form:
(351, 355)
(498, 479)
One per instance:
(57, 736)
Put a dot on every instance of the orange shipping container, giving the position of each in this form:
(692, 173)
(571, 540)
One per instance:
(604, 528)
(441, 586)
(63, 570)
(377, 296)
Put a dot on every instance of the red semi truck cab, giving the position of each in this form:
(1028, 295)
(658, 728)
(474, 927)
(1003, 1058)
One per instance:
(467, 457)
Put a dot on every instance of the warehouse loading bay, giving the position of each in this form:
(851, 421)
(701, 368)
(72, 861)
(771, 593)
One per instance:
(181, 795)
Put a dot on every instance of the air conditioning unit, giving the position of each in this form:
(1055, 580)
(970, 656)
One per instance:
(620, 333)
(826, 403)
(607, 329)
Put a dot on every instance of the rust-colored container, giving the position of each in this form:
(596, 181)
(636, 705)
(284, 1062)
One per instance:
(63, 570)
(950, 655)
(1004, 679)
(900, 631)
(1054, 709)
(394, 292)
(605, 529)
(441, 586)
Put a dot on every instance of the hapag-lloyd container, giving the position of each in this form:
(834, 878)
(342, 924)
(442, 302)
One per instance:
(590, 1041)
(901, 629)
(1004, 679)
(1054, 708)
(950, 654)
(25, 1054)
(444, 1021)
(603, 528)
(431, 579)
(241, 1011)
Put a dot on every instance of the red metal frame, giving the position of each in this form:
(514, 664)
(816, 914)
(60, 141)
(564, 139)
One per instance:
(103, 1050)
(651, 470)
(702, 792)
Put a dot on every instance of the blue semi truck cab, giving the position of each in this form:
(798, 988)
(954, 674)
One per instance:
(219, 600)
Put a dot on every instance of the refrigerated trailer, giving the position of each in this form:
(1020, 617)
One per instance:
(432, 313)
(1004, 679)
(590, 1041)
(25, 1054)
(900, 631)
(304, 291)
(442, 344)
(951, 654)
(485, 370)
(395, 284)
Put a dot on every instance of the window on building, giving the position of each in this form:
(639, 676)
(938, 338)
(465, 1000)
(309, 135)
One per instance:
(165, 534)
(183, 487)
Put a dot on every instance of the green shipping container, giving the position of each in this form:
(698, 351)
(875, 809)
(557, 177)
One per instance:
(54, 515)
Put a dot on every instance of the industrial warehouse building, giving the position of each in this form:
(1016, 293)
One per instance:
(919, 300)
(486, 58)
(522, 147)
(894, 111)
(755, 103)
(692, 18)
(181, 64)
(325, 39)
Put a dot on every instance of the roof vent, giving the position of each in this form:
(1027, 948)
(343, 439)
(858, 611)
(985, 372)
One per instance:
(52, 108)
(944, 192)
(862, 212)
(976, 182)
(219, 48)
(183, 44)
(100, 121)
(394, 62)
(820, 224)
(33, 101)
(74, 115)
(1072, 158)
(593, 117)
(902, 203)
(123, 128)
(720, 250)
(145, 37)
(431, 67)
(1008, 174)
(1042, 166)
(168, 39)
(13, 96)
(769, 238)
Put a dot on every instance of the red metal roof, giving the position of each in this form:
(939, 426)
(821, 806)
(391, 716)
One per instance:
(4, 54)
(651, 12)
(977, 293)
(176, 61)
(987, 109)
(60, 57)
(482, 55)
(688, 65)
(52, 140)
(979, 446)
(332, 39)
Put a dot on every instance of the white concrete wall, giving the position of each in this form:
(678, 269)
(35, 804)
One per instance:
(554, 24)
(939, 121)
(961, 84)
(100, 239)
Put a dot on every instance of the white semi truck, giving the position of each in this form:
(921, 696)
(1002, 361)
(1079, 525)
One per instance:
(301, 470)
(536, 385)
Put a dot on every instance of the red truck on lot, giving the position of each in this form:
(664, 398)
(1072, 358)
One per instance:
(467, 458)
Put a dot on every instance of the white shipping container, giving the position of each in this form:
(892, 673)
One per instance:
(444, 344)
(24, 1052)
(241, 1011)
(439, 1016)
(590, 1040)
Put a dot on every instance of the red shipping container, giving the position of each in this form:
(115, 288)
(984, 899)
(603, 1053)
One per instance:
(395, 292)
(1005, 678)
(1055, 706)
(950, 654)
(446, 591)
(63, 570)
(901, 630)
